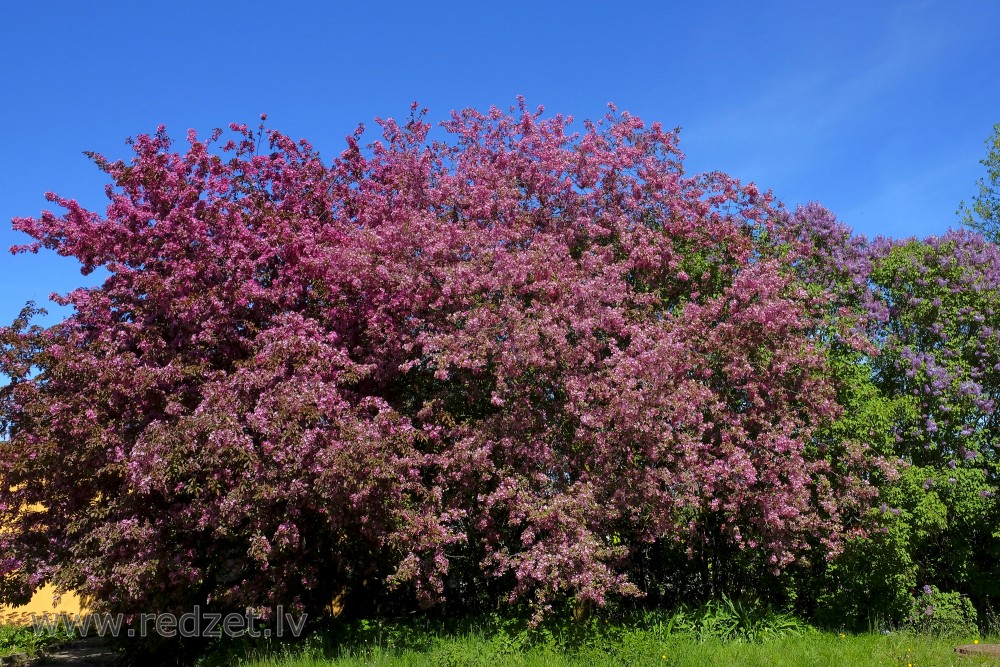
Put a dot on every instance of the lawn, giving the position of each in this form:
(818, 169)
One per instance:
(811, 649)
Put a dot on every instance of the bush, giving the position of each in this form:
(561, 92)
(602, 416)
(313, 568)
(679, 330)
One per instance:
(870, 584)
(942, 614)
(926, 394)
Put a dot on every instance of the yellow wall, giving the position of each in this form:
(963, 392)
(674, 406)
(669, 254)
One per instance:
(43, 601)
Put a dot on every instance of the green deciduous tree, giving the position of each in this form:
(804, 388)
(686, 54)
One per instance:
(984, 213)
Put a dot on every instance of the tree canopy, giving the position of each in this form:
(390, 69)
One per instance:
(512, 363)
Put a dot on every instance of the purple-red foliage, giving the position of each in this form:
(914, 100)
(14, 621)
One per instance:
(536, 348)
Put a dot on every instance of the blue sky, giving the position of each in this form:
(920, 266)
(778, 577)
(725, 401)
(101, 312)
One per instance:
(879, 110)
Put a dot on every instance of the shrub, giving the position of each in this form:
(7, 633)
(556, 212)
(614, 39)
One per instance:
(942, 614)
(924, 394)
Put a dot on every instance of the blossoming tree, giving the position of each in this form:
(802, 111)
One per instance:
(502, 360)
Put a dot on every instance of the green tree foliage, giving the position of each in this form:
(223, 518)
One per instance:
(941, 354)
(983, 214)
(924, 394)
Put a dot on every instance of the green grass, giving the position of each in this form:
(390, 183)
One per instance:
(20, 639)
(818, 649)
(642, 643)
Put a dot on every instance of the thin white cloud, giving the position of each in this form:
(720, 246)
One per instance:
(787, 127)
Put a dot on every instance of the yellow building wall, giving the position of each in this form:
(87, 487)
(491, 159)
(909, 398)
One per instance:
(44, 600)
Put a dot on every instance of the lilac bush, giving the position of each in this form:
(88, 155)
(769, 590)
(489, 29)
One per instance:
(924, 394)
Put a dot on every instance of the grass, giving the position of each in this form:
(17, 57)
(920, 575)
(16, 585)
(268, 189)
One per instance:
(703, 638)
(818, 649)
(22, 639)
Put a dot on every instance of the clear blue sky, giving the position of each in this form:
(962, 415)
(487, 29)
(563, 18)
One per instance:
(879, 110)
